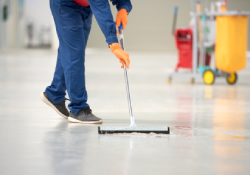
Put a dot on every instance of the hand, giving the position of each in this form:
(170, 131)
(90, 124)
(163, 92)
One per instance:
(121, 18)
(120, 54)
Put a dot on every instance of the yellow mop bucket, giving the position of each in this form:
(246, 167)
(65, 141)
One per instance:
(231, 43)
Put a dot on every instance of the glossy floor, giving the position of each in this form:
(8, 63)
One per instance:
(210, 125)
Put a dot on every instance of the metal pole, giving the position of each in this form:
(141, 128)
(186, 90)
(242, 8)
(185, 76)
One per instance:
(132, 119)
(175, 19)
(207, 5)
(195, 38)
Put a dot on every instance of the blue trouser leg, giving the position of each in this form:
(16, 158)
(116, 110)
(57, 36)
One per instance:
(56, 91)
(73, 24)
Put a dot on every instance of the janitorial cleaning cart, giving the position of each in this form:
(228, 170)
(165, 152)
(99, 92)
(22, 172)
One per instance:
(222, 33)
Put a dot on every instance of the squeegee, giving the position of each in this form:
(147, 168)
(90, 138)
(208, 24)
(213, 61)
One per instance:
(133, 128)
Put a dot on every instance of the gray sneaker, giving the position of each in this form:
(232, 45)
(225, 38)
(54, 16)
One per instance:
(60, 108)
(85, 116)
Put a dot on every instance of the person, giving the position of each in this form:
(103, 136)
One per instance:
(73, 19)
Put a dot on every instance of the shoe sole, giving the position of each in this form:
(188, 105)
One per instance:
(45, 100)
(71, 119)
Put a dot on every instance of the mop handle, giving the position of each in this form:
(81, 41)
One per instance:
(126, 78)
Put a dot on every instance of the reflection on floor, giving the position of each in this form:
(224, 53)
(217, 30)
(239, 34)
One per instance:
(210, 125)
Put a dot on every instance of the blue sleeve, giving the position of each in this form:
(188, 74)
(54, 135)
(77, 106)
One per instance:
(122, 4)
(101, 10)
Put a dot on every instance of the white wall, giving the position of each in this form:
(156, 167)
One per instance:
(150, 24)
(38, 12)
(13, 32)
(8, 29)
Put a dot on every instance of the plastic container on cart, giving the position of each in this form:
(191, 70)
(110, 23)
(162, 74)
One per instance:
(231, 43)
(183, 38)
(210, 33)
(184, 44)
(207, 60)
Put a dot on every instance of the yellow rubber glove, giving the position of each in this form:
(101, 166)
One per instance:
(122, 17)
(120, 54)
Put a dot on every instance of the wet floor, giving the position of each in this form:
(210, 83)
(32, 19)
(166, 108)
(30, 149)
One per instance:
(210, 125)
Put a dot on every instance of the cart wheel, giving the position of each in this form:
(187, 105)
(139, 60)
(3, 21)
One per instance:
(169, 80)
(192, 81)
(232, 79)
(208, 77)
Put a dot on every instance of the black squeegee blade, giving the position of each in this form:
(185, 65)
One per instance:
(126, 131)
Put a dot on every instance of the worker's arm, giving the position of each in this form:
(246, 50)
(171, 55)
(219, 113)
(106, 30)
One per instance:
(122, 4)
(103, 15)
(123, 7)
(104, 18)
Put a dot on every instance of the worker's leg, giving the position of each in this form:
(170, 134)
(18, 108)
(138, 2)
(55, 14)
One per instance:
(85, 115)
(87, 23)
(79, 90)
(56, 91)
(69, 19)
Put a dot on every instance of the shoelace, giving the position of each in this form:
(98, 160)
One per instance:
(67, 99)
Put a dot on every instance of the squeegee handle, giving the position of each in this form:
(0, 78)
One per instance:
(120, 28)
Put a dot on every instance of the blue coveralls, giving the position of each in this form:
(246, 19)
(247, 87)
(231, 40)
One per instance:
(73, 24)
